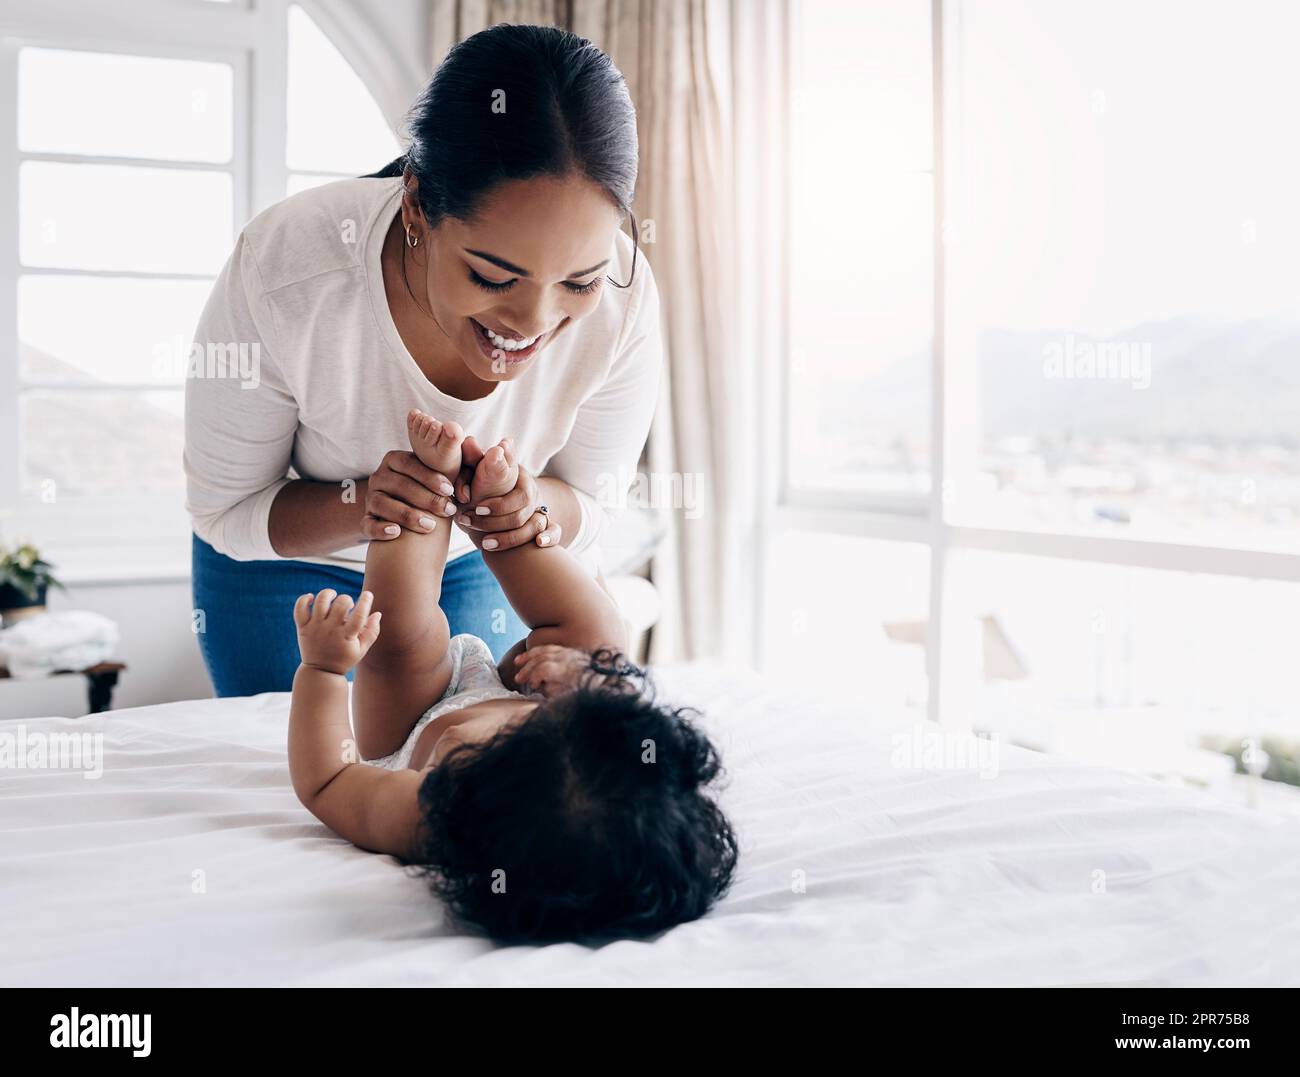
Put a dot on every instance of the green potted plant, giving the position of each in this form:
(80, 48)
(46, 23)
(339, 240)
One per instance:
(24, 580)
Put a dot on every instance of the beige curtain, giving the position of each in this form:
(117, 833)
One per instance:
(704, 75)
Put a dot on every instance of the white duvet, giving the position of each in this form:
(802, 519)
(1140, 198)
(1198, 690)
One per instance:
(870, 855)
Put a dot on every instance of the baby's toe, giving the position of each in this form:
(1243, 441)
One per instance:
(437, 444)
(451, 437)
(496, 474)
(423, 431)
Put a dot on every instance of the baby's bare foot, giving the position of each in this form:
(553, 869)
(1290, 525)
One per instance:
(496, 473)
(436, 444)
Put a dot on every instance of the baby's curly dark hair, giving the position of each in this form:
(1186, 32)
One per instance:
(587, 821)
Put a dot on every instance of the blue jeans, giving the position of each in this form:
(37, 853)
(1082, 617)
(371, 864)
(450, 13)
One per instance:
(244, 613)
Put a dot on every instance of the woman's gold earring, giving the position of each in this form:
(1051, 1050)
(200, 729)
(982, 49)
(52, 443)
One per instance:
(412, 240)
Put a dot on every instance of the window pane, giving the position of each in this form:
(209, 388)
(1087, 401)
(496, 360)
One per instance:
(107, 330)
(334, 124)
(861, 239)
(1128, 268)
(836, 601)
(126, 218)
(1137, 668)
(103, 442)
(123, 106)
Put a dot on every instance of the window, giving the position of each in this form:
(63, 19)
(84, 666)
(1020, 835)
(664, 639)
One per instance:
(852, 606)
(1127, 288)
(335, 128)
(1129, 666)
(107, 291)
(861, 275)
(135, 165)
(1109, 355)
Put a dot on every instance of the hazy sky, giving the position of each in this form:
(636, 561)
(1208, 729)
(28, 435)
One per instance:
(1118, 162)
(1131, 160)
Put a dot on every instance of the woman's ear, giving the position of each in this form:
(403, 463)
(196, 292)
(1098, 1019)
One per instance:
(412, 214)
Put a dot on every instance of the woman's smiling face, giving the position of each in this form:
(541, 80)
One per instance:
(532, 262)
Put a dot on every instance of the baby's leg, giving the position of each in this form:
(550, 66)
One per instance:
(407, 668)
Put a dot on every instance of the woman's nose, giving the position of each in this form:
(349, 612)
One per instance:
(532, 323)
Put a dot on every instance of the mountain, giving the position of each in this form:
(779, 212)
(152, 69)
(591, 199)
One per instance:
(1236, 384)
(1233, 383)
(98, 441)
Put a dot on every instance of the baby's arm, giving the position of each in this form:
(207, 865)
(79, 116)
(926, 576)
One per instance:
(376, 809)
(544, 583)
(556, 599)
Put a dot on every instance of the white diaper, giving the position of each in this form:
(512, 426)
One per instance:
(474, 679)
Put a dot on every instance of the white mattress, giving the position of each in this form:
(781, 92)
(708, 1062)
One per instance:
(911, 876)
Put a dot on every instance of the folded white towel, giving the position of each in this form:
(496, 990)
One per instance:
(45, 642)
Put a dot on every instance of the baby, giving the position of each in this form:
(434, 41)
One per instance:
(576, 815)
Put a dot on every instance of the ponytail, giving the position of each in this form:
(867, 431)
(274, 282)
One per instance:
(394, 168)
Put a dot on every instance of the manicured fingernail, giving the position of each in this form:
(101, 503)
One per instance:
(489, 544)
(482, 510)
(545, 540)
(392, 529)
(428, 523)
(445, 489)
(463, 519)
(448, 509)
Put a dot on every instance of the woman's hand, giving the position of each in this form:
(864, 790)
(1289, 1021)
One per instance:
(403, 492)
(502, 523)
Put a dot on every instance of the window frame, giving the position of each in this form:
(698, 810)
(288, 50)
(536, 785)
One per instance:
(224, 35)
(952, 440)
(253, 40)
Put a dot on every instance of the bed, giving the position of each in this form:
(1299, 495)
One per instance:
(871, 855)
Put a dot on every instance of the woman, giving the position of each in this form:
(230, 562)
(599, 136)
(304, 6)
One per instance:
(482, 278)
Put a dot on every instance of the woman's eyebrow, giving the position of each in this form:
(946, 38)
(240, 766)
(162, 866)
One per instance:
(510, 267)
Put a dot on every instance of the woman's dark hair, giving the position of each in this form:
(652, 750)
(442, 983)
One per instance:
(515, 102)
(587, 821)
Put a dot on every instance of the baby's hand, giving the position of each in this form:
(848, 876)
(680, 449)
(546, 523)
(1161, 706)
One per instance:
(551, 669)
(328, 638)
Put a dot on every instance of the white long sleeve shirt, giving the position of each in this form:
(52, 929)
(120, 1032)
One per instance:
(318, 382)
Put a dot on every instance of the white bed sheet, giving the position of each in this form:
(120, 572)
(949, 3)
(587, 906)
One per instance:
(912, 876)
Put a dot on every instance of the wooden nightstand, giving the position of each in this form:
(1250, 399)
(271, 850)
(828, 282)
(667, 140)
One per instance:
(101, 679)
